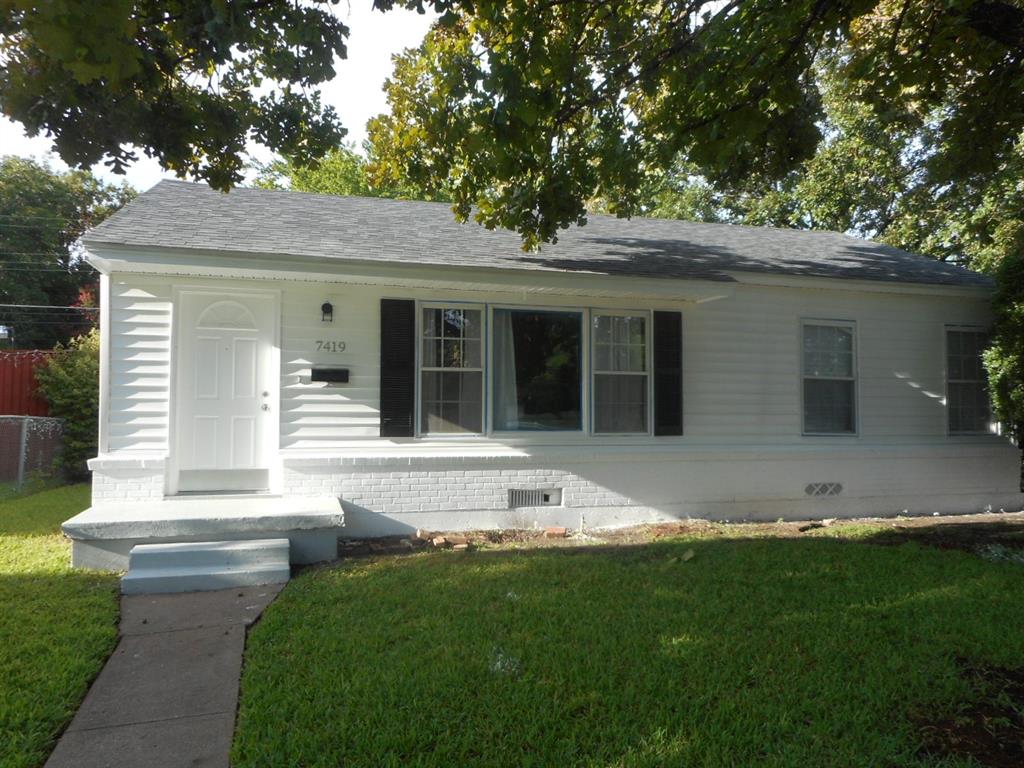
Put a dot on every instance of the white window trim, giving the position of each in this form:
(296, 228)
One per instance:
(420, 369)
(852, 326)
(587, 373)
(648, 361)
(585, 407)
(945, 370)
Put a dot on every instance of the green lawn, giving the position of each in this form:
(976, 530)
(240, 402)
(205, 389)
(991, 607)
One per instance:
(57, 626)
(786, 652)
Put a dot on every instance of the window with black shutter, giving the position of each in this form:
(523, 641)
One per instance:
(397, 367)
(667, 341)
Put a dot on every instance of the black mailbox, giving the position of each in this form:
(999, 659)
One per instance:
(331, 375)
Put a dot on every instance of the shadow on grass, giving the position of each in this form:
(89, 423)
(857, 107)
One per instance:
(966, 536)
(803, 651)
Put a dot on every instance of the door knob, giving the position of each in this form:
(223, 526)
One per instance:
(265, 407)
(266, 394)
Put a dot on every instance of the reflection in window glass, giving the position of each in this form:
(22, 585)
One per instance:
(829, 370)
(451, 371)
(966, 383)
(537, 370)
(620, 373)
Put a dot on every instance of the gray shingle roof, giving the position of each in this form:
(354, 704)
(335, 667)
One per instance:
(176, 214)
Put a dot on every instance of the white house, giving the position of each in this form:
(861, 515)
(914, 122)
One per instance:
(267, 354)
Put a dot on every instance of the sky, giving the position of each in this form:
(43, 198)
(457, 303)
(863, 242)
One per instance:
(355, 92)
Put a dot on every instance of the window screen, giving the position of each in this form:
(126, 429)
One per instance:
(620, 373)
(451, 371)
(829, 378)
(966, 384)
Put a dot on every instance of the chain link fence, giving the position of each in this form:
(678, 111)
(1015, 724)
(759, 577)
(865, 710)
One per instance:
(28, 445)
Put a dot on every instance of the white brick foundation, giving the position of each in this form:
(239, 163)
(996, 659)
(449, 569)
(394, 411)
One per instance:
(396, 494)
(445, 490)
(391, 495)
(126, 479)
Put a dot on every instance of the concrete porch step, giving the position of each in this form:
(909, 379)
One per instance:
(206, 565)
(103, 536)
(211, 554)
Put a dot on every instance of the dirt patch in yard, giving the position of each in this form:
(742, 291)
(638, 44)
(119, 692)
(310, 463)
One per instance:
(994, 535)
(1001, 538)
(967, 532)
(990, 729)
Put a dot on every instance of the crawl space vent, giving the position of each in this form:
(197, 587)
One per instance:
(823, 489)
(534, 497)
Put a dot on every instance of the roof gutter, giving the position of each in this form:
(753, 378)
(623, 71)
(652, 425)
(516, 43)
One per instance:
(119, 257)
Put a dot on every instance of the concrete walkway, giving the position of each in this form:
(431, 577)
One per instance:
(168, 694)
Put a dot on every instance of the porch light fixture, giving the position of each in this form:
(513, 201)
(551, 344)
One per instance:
(327, 312)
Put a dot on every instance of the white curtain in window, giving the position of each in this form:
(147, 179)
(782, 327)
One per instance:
(506, 399)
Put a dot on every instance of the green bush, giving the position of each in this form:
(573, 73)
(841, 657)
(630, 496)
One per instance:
(1005, 358)
(70, 384)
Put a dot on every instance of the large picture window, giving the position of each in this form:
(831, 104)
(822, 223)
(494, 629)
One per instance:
(619, 363)
(829, 378)
(451, 371)
(967, 399)
(537, 371)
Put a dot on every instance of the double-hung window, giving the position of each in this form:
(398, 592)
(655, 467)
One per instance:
(967, 401)
(620, 373)
(451, 371)
(829, 378)
(534, 373)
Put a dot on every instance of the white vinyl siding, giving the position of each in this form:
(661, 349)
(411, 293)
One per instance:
(829, 386)
(315, 414)
(967, 400)
(741, 376)
(140, 365)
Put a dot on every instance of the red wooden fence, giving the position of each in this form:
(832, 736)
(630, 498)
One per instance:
(18, 396)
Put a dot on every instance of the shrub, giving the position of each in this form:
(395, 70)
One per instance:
(70, 383)
(1005, 359)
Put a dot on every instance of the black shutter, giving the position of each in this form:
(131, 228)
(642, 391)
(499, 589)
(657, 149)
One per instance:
(397, 367)
(668, 373)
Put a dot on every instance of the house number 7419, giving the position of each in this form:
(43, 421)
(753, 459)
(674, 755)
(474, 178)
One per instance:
(330, 346)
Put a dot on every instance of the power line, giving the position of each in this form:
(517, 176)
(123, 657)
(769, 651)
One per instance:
(73, 319)
(38, 312)
(60, 249)
(36, 216)
(57, 323)
(48, 306)
(53, 271)
(19, 226)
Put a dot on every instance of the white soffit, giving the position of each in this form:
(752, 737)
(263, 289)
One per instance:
(173, 262)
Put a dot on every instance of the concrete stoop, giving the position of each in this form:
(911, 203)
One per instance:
(104, 536)
(200, 566)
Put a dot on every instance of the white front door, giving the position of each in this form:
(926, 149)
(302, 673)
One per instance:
(224, 388)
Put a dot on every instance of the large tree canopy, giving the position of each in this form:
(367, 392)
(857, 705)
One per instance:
(42, 214)
(530, 108)
(868, 176)
(344, 171)
(187, 81)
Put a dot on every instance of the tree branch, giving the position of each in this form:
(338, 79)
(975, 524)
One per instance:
(998, 21)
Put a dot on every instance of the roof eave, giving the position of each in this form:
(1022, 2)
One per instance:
(116, 258)
(110, 256)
